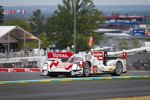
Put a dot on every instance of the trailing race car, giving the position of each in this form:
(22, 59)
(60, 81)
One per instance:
(84, 63)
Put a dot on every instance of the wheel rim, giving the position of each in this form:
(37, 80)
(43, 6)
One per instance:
(87, 69)
(118, 68)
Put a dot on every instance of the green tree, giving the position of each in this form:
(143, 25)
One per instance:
(136, 43)
(44, 39)
(1, 14)
(18, 22)
(37, 21)
(83, 40)
(123, 44)
(61, 23)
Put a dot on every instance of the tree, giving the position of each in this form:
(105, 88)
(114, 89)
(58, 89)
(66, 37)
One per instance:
(136, 43)
(1, 14)
(83, 40)
(37, 21)
(123, 44)
(44, 39)
(61, 23)
(18, 22)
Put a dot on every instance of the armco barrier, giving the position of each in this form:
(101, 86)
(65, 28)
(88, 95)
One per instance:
(20, 70)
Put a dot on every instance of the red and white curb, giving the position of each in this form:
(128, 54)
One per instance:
(20, 70)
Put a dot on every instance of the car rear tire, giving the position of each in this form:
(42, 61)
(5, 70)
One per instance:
(118, 70)
(86, 69)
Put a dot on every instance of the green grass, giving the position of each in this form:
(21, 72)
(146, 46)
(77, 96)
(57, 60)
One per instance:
(132, 98)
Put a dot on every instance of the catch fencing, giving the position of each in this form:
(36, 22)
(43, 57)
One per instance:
(139, 61)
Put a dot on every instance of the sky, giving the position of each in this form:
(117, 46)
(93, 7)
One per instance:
(56, 2)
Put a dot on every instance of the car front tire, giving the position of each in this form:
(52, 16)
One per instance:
(86, 69)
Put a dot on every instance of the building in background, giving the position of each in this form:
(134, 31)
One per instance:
(123, 22)
(121, 30)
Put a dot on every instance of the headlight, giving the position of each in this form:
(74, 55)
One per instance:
(45, 67)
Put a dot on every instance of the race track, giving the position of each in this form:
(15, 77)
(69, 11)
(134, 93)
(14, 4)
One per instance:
(29, 76)
(87, 90)
(72, 90)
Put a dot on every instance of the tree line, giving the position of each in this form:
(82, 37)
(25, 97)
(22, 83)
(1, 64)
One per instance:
(58, 29)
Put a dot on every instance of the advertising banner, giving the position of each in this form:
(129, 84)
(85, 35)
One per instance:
(64, 55)
(140, 32)
(20, 70)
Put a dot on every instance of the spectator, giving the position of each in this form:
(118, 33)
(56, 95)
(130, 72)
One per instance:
(12, 66)
(1, 66)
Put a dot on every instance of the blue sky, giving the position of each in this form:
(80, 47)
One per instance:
(56, 2)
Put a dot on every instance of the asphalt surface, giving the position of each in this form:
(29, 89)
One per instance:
(83, 90)
(29, 76)
(72, 90)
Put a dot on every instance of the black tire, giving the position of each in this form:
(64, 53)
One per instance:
(118, 70)
(68, 75)
(53, 75)
(86, 69)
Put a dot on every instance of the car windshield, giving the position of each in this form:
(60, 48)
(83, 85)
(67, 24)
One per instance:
(75, 59)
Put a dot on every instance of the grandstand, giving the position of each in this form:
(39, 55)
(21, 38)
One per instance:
(10, 36)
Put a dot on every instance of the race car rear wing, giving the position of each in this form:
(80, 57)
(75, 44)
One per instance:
(104, 57)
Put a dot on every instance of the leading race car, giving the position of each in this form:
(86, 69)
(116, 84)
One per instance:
(86, 64)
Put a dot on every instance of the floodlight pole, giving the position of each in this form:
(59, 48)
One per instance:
(24, 44)
(74, 6)
(8, 45)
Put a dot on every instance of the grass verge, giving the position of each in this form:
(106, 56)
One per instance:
(132, 98)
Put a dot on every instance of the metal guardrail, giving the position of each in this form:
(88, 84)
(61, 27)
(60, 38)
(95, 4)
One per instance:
(17, 54)
(20, 59)
(19, 62)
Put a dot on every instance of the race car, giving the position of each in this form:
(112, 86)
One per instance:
(86, 64)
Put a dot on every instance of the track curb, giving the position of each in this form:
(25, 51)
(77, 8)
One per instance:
(72, 79)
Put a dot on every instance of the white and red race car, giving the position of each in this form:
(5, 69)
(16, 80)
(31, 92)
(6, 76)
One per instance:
(84, 63)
